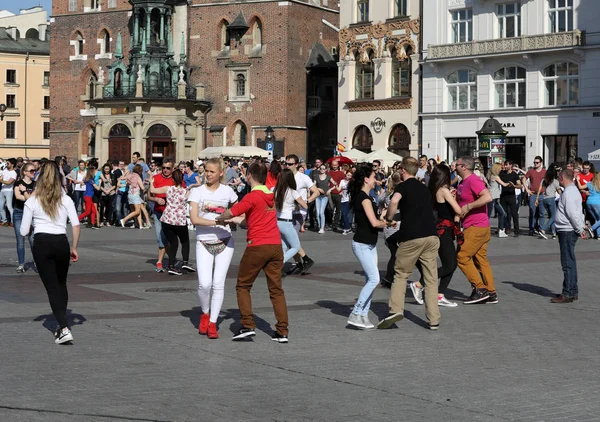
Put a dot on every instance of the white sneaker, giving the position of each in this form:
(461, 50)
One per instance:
(321, 231)
(442, 301)
(542, 234)
(502, 233)
(366, 322)
(356, 320)
(417, 292)
(63, 336)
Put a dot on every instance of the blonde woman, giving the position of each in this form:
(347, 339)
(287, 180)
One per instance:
(48, 210)
(495, 190)
(214, 247)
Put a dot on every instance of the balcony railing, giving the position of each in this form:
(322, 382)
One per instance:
(506, 45)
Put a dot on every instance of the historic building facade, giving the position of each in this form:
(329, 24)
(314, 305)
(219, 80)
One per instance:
(532, 64)
(171, 77)
(24, 86)
(379, 75)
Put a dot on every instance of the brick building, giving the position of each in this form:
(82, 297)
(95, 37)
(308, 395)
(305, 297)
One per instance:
(172, 77)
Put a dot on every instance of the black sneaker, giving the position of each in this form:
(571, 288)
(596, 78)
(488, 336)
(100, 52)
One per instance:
(279, 338)
(297, 269)
(174, 271)
(493, 298)
(478, 295)
(187, 267)
(306, 264)
(243, 333)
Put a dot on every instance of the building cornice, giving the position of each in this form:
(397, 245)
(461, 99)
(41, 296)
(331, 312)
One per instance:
(523, 111)
(230, 3)
(91, 13)
(399, 103)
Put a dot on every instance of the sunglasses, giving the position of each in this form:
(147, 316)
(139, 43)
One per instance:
(167, 168)
(536, 162)
(290, 164)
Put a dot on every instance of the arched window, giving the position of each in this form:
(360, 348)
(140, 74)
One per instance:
(399, 141)
(118, 84)
(240, 80)
(91, 86)
(78, 43)
(104, 42)
(362, 139)
(223, 37)
(159, 131)
(462, 90)
(119, 131)
(401, 72)
(509, 84)
(257, 34)
(561, 83)
(365, 73)
(240, 134)
(33, 34)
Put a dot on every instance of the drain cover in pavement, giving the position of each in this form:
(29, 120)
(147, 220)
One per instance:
(169, 290)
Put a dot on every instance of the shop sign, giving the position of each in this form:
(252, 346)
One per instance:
(507, 124)
(378, 124)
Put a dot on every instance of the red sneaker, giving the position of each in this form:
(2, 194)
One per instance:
(212, 331)
(203, 327)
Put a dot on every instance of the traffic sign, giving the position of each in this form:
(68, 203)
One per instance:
(269, 146)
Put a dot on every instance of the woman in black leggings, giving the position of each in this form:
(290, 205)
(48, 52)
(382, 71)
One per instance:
(174, 222)
(48, 211)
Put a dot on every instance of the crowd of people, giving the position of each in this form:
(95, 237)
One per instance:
(426, 210)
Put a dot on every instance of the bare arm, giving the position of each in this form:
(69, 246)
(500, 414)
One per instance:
(196, 219)
(449, 198)
(302, 202)
(314, 193)
(367, 205)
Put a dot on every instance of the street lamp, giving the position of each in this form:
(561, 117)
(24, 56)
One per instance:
(2, 110)
(269, 134)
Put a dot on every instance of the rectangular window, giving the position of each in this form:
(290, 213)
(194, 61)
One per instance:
(462, 25)
(564, 146)
(112, 3)
(509, 20)
(560, 15)
(46, 78)
(11, 101)
(11, 76)
(400, 8)
(460, 147)
(46, 102)
(362, 9)
(11, 128)
(46, 130)
(72, 5)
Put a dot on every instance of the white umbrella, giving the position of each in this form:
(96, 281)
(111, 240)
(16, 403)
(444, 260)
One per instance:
(388, 158)
(355, 155)
(232, 151)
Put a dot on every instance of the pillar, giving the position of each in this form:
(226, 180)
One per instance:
(383, 74)
(180, 147)
(148, 31)
(162, 27)
(136, 26)
(169, 35)
(101, 145)
(138, 142)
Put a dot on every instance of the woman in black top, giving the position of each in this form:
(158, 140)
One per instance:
(364, 243)
(23, 190)
(108, 188)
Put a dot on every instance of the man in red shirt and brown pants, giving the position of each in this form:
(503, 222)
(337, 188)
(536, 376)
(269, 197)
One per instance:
(165, 178)
(535, 176)
(263, 252)
(336, 195)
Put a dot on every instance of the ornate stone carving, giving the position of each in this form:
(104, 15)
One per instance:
(504, 45)
(377, 105)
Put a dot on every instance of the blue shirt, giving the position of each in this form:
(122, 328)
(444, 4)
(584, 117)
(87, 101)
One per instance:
(145, 169)
(89, 188)
(594, 198)
(190, 180)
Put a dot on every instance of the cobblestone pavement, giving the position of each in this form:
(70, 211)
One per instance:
(137, 355)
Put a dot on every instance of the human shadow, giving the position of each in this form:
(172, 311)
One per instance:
(234, 315)
(531, 288)
(51, 324)
(194, 316)
(455, 294)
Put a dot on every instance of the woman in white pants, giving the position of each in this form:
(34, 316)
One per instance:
(214, 247)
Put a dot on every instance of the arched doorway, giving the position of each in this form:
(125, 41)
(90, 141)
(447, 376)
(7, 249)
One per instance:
(399, 142)
(159, 143)
(119, 143)
(362, 139)
(240, 134)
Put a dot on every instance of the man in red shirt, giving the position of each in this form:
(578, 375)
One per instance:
(336, 195)
(160, 200)
(584, 177)
(535, 176)
(263, 252)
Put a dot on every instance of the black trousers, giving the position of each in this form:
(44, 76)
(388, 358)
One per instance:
(106, 206)
(174, 235)
(392, 244)
(336, 198)
(52, 255)
(509, 203)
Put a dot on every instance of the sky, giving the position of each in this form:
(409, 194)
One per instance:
(15, 5)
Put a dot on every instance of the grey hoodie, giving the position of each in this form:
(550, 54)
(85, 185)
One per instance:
(569, 214)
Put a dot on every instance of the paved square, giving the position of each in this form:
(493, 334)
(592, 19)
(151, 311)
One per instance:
(137, 355)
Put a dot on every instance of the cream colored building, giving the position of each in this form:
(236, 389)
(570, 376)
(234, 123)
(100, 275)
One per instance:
(378, 78)
(24, 83)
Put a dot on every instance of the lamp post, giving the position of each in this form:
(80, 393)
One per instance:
(269, 134)
(2, 110)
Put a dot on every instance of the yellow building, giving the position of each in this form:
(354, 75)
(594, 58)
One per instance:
(24, 84)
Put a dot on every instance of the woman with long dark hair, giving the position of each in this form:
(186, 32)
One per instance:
(108, 189)
(23, 191)
(364, 243)
(551, 187)
(273, 174)
(174, 222)
(286, 198)
(48, 210)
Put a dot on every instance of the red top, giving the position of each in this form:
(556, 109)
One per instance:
(584, 179)
(535, 179)
(159, 182)
(261, 216)
(338, 176)
(271, 181)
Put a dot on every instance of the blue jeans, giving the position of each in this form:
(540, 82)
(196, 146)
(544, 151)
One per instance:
(533, 209)
(17, 218)
(321, 205)
(346, 215)
(547, 213)
(566, 242)
(161, 239)
(6, 198)
(495, 205)
(289, 239)
(594, 210)
(78, 200)
(367, 256)
(120, 201)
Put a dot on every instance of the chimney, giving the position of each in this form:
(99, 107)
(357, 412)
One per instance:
(42, 31)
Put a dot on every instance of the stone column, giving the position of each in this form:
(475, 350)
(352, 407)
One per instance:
(101, 146)
(148, 31)
(169, 35)
(138, 142)
(180, 147)
(199, 141)
(162, 27)
(136, 26)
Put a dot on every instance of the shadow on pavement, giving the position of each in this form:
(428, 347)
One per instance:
(233, 314)
(51, 325)
(531, 288)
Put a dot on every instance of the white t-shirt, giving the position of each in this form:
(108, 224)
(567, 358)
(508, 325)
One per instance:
(211, 204)
(421, 173)
(303, 185)
(289, 204)
(42, 223)
(9, 174)
(79, 177)
(344, 188)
